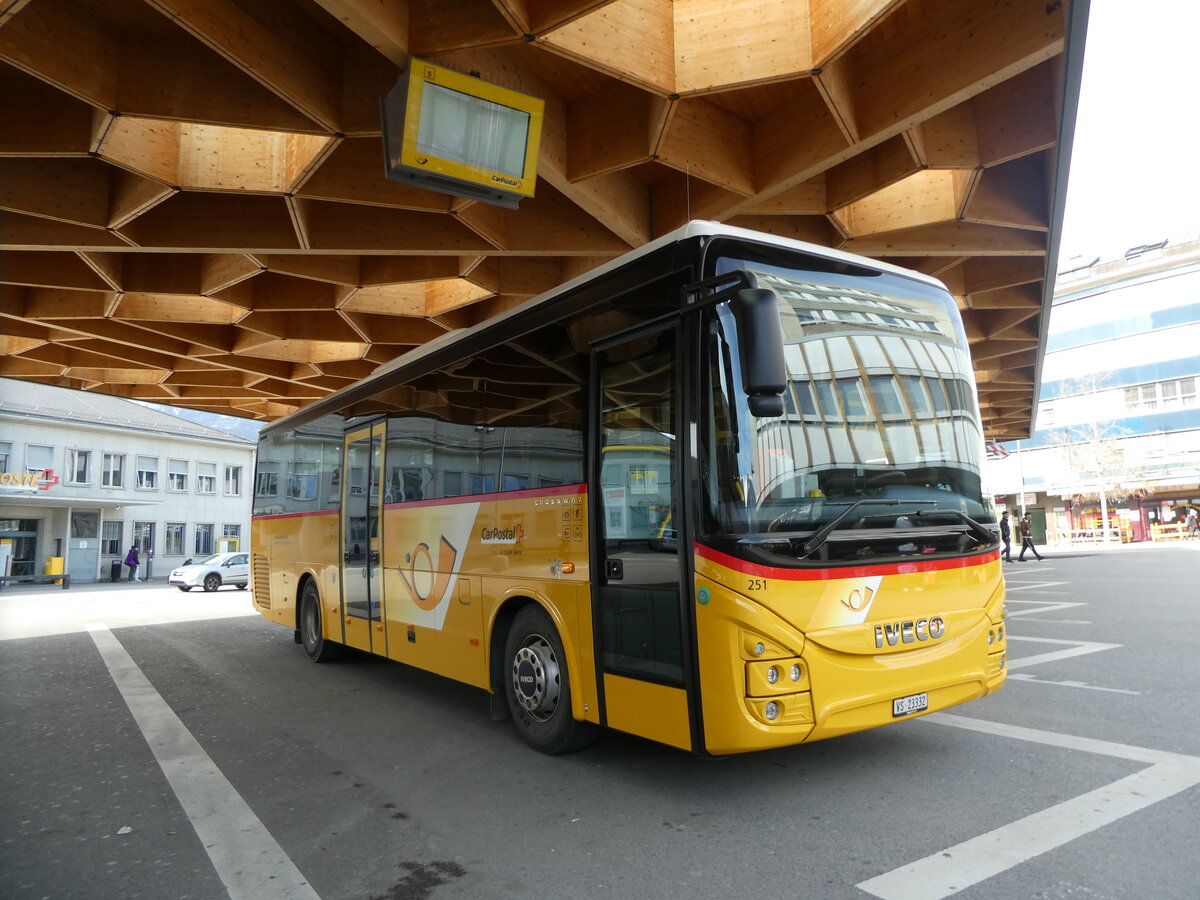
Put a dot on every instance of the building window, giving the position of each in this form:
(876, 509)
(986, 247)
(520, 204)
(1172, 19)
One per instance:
(147, 472)
(266, 482)
(5, 456)
(206, 478)
(1174, 394)
(302, 482)
(38, 459)
(204, 540)
(114, 470)
(177, 474)
(110, 538)
(174, 542)
(232, 533)
(233, 481)
(78, 463)
(143, 536)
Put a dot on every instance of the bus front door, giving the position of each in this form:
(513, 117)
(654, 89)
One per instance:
(639, 588)
(362, 526)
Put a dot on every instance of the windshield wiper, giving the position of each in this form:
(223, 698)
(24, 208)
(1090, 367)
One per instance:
(823, 534)
(981, 531)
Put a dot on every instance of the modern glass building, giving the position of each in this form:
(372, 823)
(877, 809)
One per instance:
(1118, 420)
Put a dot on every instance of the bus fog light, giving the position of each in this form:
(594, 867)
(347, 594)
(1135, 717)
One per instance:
(771, 711)
(772, 675)
(759, 649)
(794, 673)
(1002, 662)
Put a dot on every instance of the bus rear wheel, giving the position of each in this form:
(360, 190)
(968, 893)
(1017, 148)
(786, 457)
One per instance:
(538, 686)
(311, 634)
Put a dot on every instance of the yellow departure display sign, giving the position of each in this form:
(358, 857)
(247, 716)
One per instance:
(460, 135)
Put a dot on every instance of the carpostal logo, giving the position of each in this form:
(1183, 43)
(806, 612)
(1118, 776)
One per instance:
(513, 535)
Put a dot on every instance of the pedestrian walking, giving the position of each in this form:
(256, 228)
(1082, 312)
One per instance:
(132, 559)
(1026, 530)
(1193, 523)
(1006, 536)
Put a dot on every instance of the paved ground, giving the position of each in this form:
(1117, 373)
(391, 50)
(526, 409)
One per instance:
(161, 744)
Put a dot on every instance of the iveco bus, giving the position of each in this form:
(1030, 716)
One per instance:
(722, 492)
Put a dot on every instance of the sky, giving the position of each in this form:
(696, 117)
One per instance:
(1135, 165)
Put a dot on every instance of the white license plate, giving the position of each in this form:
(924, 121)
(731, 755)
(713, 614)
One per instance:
(903, 706)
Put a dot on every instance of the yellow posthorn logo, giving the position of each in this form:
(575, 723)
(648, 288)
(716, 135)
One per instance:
(427, 583)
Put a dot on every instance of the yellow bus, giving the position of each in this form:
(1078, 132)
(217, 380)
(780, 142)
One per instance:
(722, 492)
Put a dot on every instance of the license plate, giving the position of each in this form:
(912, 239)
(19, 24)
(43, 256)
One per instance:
(903, 706)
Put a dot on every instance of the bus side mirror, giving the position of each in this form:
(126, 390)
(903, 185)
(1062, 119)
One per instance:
(760, 339)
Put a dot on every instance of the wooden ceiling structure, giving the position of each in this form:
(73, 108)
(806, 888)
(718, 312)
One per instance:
(193, 207)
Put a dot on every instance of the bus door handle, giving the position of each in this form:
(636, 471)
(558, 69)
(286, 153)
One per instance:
(614, 569)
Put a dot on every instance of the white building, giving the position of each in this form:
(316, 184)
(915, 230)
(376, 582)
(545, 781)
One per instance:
(84, 475)
(1118, 422)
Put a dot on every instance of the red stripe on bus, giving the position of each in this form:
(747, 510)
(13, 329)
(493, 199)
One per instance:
(333, 511)
(831, 573)
(561, 490)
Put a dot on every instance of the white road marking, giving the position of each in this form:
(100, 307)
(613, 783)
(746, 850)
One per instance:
(1040, 621)
(248, 860)
(1011, 588)
(1073, 648)
(1039, 606)
(970, 862)
(1024, 676)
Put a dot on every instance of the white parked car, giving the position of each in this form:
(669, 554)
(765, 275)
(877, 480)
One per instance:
(211, 573)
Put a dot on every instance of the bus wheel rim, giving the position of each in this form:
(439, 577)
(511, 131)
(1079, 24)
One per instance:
(536, 678)
(311, 623)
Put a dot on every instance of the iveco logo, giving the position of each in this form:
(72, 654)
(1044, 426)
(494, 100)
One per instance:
(910, 632)
(526, 679)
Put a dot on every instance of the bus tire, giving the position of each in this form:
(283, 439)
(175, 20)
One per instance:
(312, 636)
(538, 686)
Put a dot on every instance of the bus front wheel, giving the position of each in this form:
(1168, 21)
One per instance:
(311, 634)
(538, 686)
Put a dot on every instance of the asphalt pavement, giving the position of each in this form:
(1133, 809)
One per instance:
(162, 744)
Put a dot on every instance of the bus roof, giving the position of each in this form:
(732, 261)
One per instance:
(694, 229)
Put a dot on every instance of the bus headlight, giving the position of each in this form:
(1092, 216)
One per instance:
(776, 677)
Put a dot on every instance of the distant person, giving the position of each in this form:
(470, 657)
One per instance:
(1193, 523)
(132, 559)
(1006, 536)
(1026, 529)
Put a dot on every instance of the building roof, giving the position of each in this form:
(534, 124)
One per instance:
(44, 401)
(194, 210)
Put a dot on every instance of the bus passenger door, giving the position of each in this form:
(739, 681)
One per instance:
(639, 592)
(362, 536)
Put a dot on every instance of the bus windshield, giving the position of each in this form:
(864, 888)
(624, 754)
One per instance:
(878, 451)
